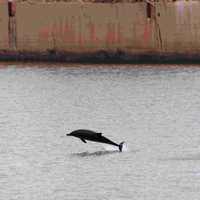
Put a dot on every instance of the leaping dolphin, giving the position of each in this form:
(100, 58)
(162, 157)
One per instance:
(84, 135)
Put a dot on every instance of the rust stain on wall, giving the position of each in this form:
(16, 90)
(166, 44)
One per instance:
(44, 33)
(92, 33)
(111, 34)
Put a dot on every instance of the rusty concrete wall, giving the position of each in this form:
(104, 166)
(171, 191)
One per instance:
(90, 27)
(179, 24)
(3, 25)
(84, 27)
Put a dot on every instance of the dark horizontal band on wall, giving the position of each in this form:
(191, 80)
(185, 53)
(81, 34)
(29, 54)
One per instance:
(99, 57)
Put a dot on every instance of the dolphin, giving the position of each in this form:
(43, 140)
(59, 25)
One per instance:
(84, 135)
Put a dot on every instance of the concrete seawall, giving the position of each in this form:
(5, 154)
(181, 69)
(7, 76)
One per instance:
(3, 26)
(102, 31)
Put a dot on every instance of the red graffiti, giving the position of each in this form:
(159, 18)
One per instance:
(92, 31)
(69, 33)
(147, 32)
(44, 32)
(111, 34)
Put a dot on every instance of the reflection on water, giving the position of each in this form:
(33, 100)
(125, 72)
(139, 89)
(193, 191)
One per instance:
(96, 153)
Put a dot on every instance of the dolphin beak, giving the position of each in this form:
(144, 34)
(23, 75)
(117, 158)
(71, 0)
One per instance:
(68, 134)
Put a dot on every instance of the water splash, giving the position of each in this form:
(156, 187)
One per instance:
(125, 147)
(113, 148)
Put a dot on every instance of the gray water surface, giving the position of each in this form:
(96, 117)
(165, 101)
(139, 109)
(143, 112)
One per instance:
(154, 109)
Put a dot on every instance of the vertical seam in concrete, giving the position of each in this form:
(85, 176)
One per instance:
(12, 25)
(157, 27)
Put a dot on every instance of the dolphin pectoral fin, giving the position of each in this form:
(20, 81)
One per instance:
(83, 140)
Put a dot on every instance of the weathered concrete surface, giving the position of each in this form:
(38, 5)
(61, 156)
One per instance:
(104, 31)
(84, 27)
(100, 26)
(179, 24)
(3, 25)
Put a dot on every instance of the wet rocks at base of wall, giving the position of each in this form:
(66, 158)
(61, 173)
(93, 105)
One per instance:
(101, 56)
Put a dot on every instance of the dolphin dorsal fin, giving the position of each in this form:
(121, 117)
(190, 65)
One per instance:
(99, 134)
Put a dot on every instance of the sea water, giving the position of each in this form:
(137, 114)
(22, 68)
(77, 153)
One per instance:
(154, 109)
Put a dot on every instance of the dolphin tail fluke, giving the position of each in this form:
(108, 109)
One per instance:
(121, 146)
